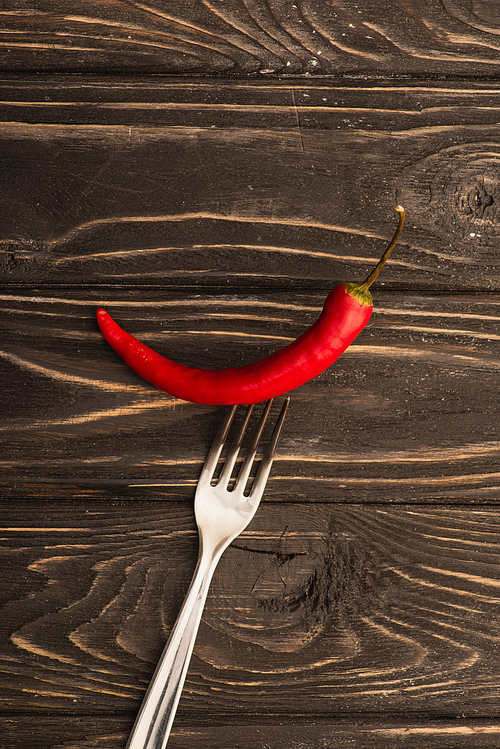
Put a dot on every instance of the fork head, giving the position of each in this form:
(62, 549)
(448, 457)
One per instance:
(223, 511)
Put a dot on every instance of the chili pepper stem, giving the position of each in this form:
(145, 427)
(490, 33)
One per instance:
(373, 275)
(360, 291)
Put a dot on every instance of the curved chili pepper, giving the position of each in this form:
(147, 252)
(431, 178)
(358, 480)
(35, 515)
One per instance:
(346, 312)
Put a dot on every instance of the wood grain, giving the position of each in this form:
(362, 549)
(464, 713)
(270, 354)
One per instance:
(409, 412)
(234, 185)
(341, 608)
(111, 733)
(243, 37)
(211, 215)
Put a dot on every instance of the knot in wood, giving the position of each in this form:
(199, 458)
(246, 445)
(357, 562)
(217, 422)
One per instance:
(473, 200)
(18, 258)
(455, 194)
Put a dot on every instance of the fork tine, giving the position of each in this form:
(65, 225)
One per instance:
(214, 453)
(234, 449)
(246, 467)
(267, 460)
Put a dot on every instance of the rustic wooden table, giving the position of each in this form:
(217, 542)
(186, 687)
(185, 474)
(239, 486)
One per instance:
(207, 171)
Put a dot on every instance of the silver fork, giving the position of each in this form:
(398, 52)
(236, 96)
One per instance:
(221, 515)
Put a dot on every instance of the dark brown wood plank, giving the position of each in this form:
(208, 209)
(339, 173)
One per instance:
(361, 606)
(313, 611)
(238, 37)
(408, 413)
(71, 732)
(238, 185)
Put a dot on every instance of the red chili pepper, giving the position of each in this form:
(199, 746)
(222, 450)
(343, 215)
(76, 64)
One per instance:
(346, 312)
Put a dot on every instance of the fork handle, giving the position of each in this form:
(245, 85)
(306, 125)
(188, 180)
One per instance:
(156, 715)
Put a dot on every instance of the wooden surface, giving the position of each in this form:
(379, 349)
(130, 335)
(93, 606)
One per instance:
(211, 209)
(266, 37)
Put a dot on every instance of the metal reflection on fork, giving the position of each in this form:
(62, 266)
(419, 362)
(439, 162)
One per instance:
(222, 513)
